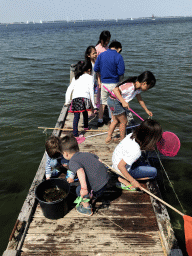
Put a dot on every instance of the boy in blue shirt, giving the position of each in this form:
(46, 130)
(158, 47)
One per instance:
(110, 65)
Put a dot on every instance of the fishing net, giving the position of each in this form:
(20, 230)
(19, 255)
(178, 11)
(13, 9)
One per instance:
(169, 144)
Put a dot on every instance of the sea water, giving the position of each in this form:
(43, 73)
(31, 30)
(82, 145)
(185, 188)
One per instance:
(35, 64)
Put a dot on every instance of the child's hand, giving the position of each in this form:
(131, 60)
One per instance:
(149, 112)
(65, 165)
(136, 184)
(70, 180)
(125, 104)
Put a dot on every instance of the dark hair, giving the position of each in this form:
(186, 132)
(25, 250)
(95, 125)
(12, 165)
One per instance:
(88, 51)
(81, 67)
(147, 134)
(146, 76)
(104, 36)
(52, 146)
(69, 144)
(115, 44)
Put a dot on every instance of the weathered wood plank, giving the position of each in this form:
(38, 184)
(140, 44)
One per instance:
(105, 223)
(97, 253)
(94, 242)
(112, 210)
(94, 253)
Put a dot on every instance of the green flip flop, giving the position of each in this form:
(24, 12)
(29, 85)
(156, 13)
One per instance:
(122, 186)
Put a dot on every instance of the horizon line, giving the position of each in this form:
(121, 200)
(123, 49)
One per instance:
(84, 20)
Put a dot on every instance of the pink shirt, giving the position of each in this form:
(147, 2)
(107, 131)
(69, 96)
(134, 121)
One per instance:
(99, 48)
(128, 91)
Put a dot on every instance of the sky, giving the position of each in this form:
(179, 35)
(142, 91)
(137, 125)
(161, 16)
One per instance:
(50, 10)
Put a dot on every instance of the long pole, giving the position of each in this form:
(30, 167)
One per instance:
(70, 129)
(146, 191)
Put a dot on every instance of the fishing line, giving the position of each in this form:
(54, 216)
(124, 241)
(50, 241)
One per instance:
(169, 179)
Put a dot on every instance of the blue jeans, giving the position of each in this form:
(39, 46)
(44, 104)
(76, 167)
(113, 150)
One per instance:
(141, 169)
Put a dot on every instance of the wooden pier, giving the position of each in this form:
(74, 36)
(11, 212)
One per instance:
(123, 223)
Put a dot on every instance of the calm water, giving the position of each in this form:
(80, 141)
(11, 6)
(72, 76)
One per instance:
(34, 74)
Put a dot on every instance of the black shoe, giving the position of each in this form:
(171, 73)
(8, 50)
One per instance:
(100, 124)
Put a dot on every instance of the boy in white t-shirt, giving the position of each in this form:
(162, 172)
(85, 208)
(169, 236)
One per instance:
(126, 155)
(124, 93)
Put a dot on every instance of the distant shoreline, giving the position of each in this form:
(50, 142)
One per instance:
(94, 20)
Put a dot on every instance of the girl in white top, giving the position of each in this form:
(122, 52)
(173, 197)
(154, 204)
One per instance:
(82, 94)
(124, 93)
(126, 155)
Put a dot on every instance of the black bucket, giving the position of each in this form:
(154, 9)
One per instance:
(55, 209)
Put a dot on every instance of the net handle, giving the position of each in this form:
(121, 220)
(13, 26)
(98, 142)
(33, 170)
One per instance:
(146, 191)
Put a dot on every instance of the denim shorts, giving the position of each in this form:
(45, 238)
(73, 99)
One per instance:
(115, 106)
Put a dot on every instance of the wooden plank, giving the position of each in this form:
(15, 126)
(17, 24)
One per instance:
(107, 224)
(121, 242)
(94, 253)
(10, 253)
(111, 210)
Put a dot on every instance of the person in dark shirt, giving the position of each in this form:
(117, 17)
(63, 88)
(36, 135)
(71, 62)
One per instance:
(92, 173)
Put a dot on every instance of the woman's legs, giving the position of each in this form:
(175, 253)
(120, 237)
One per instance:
(75, 123)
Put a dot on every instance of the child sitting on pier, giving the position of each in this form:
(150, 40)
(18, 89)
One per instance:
(55, 160)
(92, 174)
(127, 153)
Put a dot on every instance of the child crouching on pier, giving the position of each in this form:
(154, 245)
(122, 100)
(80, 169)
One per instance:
(55, 160)
(126, 156)
(92, 174)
